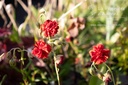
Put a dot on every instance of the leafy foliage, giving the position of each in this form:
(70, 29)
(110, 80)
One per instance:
(82, 24)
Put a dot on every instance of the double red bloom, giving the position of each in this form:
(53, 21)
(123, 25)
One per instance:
(99, 54)
(49, 28)
(41, 49)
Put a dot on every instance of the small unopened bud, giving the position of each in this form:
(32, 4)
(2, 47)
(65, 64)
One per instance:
(107, 77)
(60, 39)
(56, 42)
(50, 42)
(77, 60)
(12, 62)
(100, 76)
(59, 59)
(42, 11)
(75, 41)
(69, 39)
(92, 71)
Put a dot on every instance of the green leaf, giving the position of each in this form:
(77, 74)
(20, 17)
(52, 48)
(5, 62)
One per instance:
(110, 19)
(14, 36)
(122, 21)
(94, 80)
(34, 11)
(123, 18)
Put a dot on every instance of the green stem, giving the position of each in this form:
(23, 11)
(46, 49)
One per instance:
(56, 70)
(95, 66)
(111, 73)
(55, 65)
(74, 48)
(4, 77)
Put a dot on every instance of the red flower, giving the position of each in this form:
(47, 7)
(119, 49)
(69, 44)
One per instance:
(99, 54)
(49, 28)
(41, 49)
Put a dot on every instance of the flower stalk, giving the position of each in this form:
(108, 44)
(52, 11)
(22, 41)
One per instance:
(111, 73)
(56, 69)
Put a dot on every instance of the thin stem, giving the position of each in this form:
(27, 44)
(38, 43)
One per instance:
(11, 16)
(95, 66)
(4, 77)
(49, 72)
(111, 73)
(56, 71)
(70, 10)
(55, 65)
(74, 47)
(25, 82)
(106, 83)
(23, 5)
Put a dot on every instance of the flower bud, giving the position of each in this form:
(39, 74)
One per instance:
(69, 39)
(59, 59)
(12, 62)
(107, 77)
(57, 42)
(92, 71)
(100, 76)
(75, 41)
(50, 42)
(61, 39)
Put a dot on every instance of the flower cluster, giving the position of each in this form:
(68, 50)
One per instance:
(41, 48)
(99, 54)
